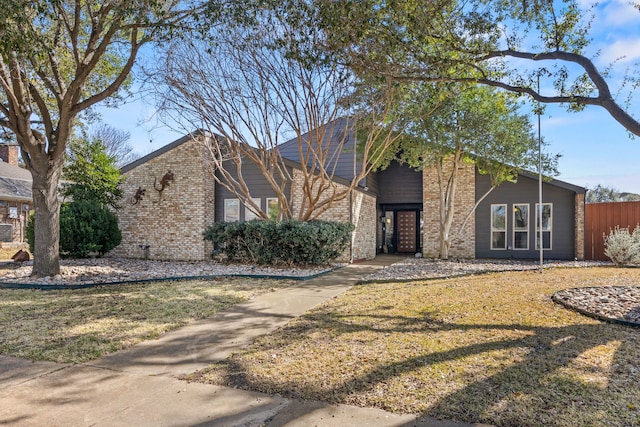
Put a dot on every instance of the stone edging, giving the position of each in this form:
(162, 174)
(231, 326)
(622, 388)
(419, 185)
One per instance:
(575, 307)
(60, 286)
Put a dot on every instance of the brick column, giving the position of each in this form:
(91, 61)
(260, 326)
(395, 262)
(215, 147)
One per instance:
(465, 199)
(9, 154)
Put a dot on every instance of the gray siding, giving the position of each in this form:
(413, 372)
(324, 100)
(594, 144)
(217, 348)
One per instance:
(258, 186)
(343, 162)
(526, 191)
(372, 182)
(399, 184)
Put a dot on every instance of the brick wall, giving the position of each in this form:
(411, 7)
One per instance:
(579, 226)
(339, 210)
(170, 222)
(9, 154)
(13, 217)
(363, 216)
(464, 246)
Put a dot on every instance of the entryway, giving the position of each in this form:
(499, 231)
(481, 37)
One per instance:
(401, 229)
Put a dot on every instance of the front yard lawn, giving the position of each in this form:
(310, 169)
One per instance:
(75, 326)
(491, 348)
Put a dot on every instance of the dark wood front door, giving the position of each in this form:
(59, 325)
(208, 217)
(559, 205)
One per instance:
(406, 231)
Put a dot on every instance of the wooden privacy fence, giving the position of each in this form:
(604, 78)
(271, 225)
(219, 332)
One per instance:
(601, 218)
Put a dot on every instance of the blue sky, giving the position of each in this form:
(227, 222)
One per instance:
(595, 149)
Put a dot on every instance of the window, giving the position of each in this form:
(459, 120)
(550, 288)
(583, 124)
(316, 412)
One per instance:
(272, 208)
(546, 210)
(231, 210)
(249, 214)
(521, 226)
(498, 227)
(388, 227)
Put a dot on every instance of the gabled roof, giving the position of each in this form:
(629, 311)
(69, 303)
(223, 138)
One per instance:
(15, 183)
(162, 150)
(14, 172)
(344, 166)
(556, 183)
(15, 189)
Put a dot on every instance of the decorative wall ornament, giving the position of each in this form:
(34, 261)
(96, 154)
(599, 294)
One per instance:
(164, 181)
(138, 196)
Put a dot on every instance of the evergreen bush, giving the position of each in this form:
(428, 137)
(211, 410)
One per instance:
(288, 242)
(623, 246)
(85, 227)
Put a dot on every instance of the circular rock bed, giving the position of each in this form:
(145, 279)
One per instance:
(618, 304)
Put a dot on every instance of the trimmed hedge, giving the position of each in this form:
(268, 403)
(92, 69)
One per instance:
(288, 242)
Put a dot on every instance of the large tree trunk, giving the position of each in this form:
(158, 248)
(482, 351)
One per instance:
(46, 261)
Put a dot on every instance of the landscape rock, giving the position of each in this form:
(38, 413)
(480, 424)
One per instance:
(110, 270)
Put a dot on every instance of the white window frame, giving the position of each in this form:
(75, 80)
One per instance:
(277, 211)
(517, 229)
(250, 215)
(547, 229)
(227, 205)
(499, 230)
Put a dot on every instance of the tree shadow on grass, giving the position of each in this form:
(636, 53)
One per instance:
(78, 326)
(562, 376)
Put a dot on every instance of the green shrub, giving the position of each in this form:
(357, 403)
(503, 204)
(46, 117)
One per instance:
(623, 246)
(287, 242)
(85, 227)
(29, 230)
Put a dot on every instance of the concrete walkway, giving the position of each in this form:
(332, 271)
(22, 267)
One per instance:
(139, 386)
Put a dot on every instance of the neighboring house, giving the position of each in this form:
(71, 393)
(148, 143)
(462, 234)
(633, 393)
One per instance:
(394, 210)
(15, 195)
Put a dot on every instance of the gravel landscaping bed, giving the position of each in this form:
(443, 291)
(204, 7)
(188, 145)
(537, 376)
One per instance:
(612, 303)
(120, 270)
(426, 268)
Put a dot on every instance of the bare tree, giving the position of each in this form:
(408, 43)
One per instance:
(116, 142)
(252, 97)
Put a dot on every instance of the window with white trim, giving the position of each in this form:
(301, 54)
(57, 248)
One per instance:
(272, 208)
(521, 226)
(249, 214)
(498, 227)
(231, 210)
(547, 225)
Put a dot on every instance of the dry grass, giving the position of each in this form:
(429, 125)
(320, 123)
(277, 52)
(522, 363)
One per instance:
(7, 252)
(491, 348)
(78, 325)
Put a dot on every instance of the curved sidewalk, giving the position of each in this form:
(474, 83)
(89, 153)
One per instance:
(139, 386)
